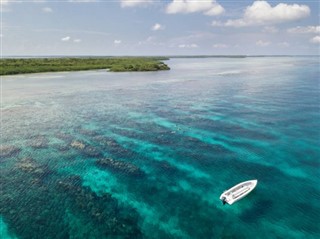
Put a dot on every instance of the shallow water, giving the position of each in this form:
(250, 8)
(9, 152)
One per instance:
(177, 138)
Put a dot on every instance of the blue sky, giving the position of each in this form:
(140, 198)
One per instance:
(162, 27)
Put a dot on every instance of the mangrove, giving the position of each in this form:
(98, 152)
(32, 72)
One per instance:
(11, 66)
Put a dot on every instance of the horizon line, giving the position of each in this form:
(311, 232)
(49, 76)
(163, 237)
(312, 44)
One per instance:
(169, 56)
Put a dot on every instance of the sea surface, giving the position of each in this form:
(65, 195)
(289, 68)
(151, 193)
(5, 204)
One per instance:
(97, 154)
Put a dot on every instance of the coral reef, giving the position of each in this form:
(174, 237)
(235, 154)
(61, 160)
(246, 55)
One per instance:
(38, 142)
(40, 210)
(8, 151)
(120, 166)
(87, 132)
(63, 136)
(78, 145)
(86, 149)
(29, 165)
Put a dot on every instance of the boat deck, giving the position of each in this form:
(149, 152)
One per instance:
(238, 191)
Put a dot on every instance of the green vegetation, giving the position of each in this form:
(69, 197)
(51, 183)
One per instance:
(115, 64)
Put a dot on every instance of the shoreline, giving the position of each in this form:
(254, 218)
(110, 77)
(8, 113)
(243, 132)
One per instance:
(20, 66)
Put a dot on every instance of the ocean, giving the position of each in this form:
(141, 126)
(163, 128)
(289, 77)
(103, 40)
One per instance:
(95, 154)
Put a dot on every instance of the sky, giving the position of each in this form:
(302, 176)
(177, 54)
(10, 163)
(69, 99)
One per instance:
(159, 27)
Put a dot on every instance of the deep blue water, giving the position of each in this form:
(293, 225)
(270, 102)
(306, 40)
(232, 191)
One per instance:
(147, 155)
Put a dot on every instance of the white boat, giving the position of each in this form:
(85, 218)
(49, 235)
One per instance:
(237, 192)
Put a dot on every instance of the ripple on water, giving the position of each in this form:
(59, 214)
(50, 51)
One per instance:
(151, 160)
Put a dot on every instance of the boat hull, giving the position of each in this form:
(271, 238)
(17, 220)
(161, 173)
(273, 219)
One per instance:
(238, 192)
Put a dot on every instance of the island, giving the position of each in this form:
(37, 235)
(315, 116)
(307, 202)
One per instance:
(12, 66)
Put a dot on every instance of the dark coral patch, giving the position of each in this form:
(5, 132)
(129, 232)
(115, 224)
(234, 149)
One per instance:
(7, 151)
(120, 166)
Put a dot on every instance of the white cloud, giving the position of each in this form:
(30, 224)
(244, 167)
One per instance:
(134, 3)
(157, 27)
(315, 40)
(207, 7)
(47, 9)
(220, 45)
(117, 42)
(67, 38)
(304, 30)
(263, 43)
(262, 13)
(270, 29)
(188, 45)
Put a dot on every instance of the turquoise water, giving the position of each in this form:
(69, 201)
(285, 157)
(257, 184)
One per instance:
(177, 140)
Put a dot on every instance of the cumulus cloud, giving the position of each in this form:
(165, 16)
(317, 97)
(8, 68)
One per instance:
(304, 30)
(315, 39)
(207, 7)
(67, 38)
(135, 3)
(188, 45)
(47, 9)
(263, 43)
(157, 27)
(117, 42)
(262, 13)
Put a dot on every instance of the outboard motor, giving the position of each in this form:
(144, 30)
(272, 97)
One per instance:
(224, 201)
